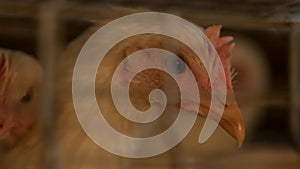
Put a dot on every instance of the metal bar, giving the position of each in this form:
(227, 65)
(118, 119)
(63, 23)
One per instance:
(295, 82)
(48, 45)
(98, 10)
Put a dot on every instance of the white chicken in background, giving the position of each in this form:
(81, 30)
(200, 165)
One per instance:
(20, 79)
(252, 81)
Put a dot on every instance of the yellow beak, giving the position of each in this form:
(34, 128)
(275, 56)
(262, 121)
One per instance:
(231, 120)
(233, 123)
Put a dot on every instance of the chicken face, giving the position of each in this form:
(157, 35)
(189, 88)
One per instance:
(145, 81)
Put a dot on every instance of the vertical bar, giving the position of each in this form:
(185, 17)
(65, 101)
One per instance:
(295, 82)
(48, 45)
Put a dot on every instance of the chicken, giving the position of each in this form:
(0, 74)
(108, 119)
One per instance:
(20, 78)
(140, 88)
(77, 150)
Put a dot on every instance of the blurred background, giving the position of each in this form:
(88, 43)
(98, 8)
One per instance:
(266, 57)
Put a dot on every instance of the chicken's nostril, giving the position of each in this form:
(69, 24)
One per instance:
(1, 125)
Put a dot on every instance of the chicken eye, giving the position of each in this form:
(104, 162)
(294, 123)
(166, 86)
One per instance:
(175, 65)
(27, 97)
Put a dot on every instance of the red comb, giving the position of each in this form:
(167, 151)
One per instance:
(4, 71)
(4, 66)
(223, 46)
